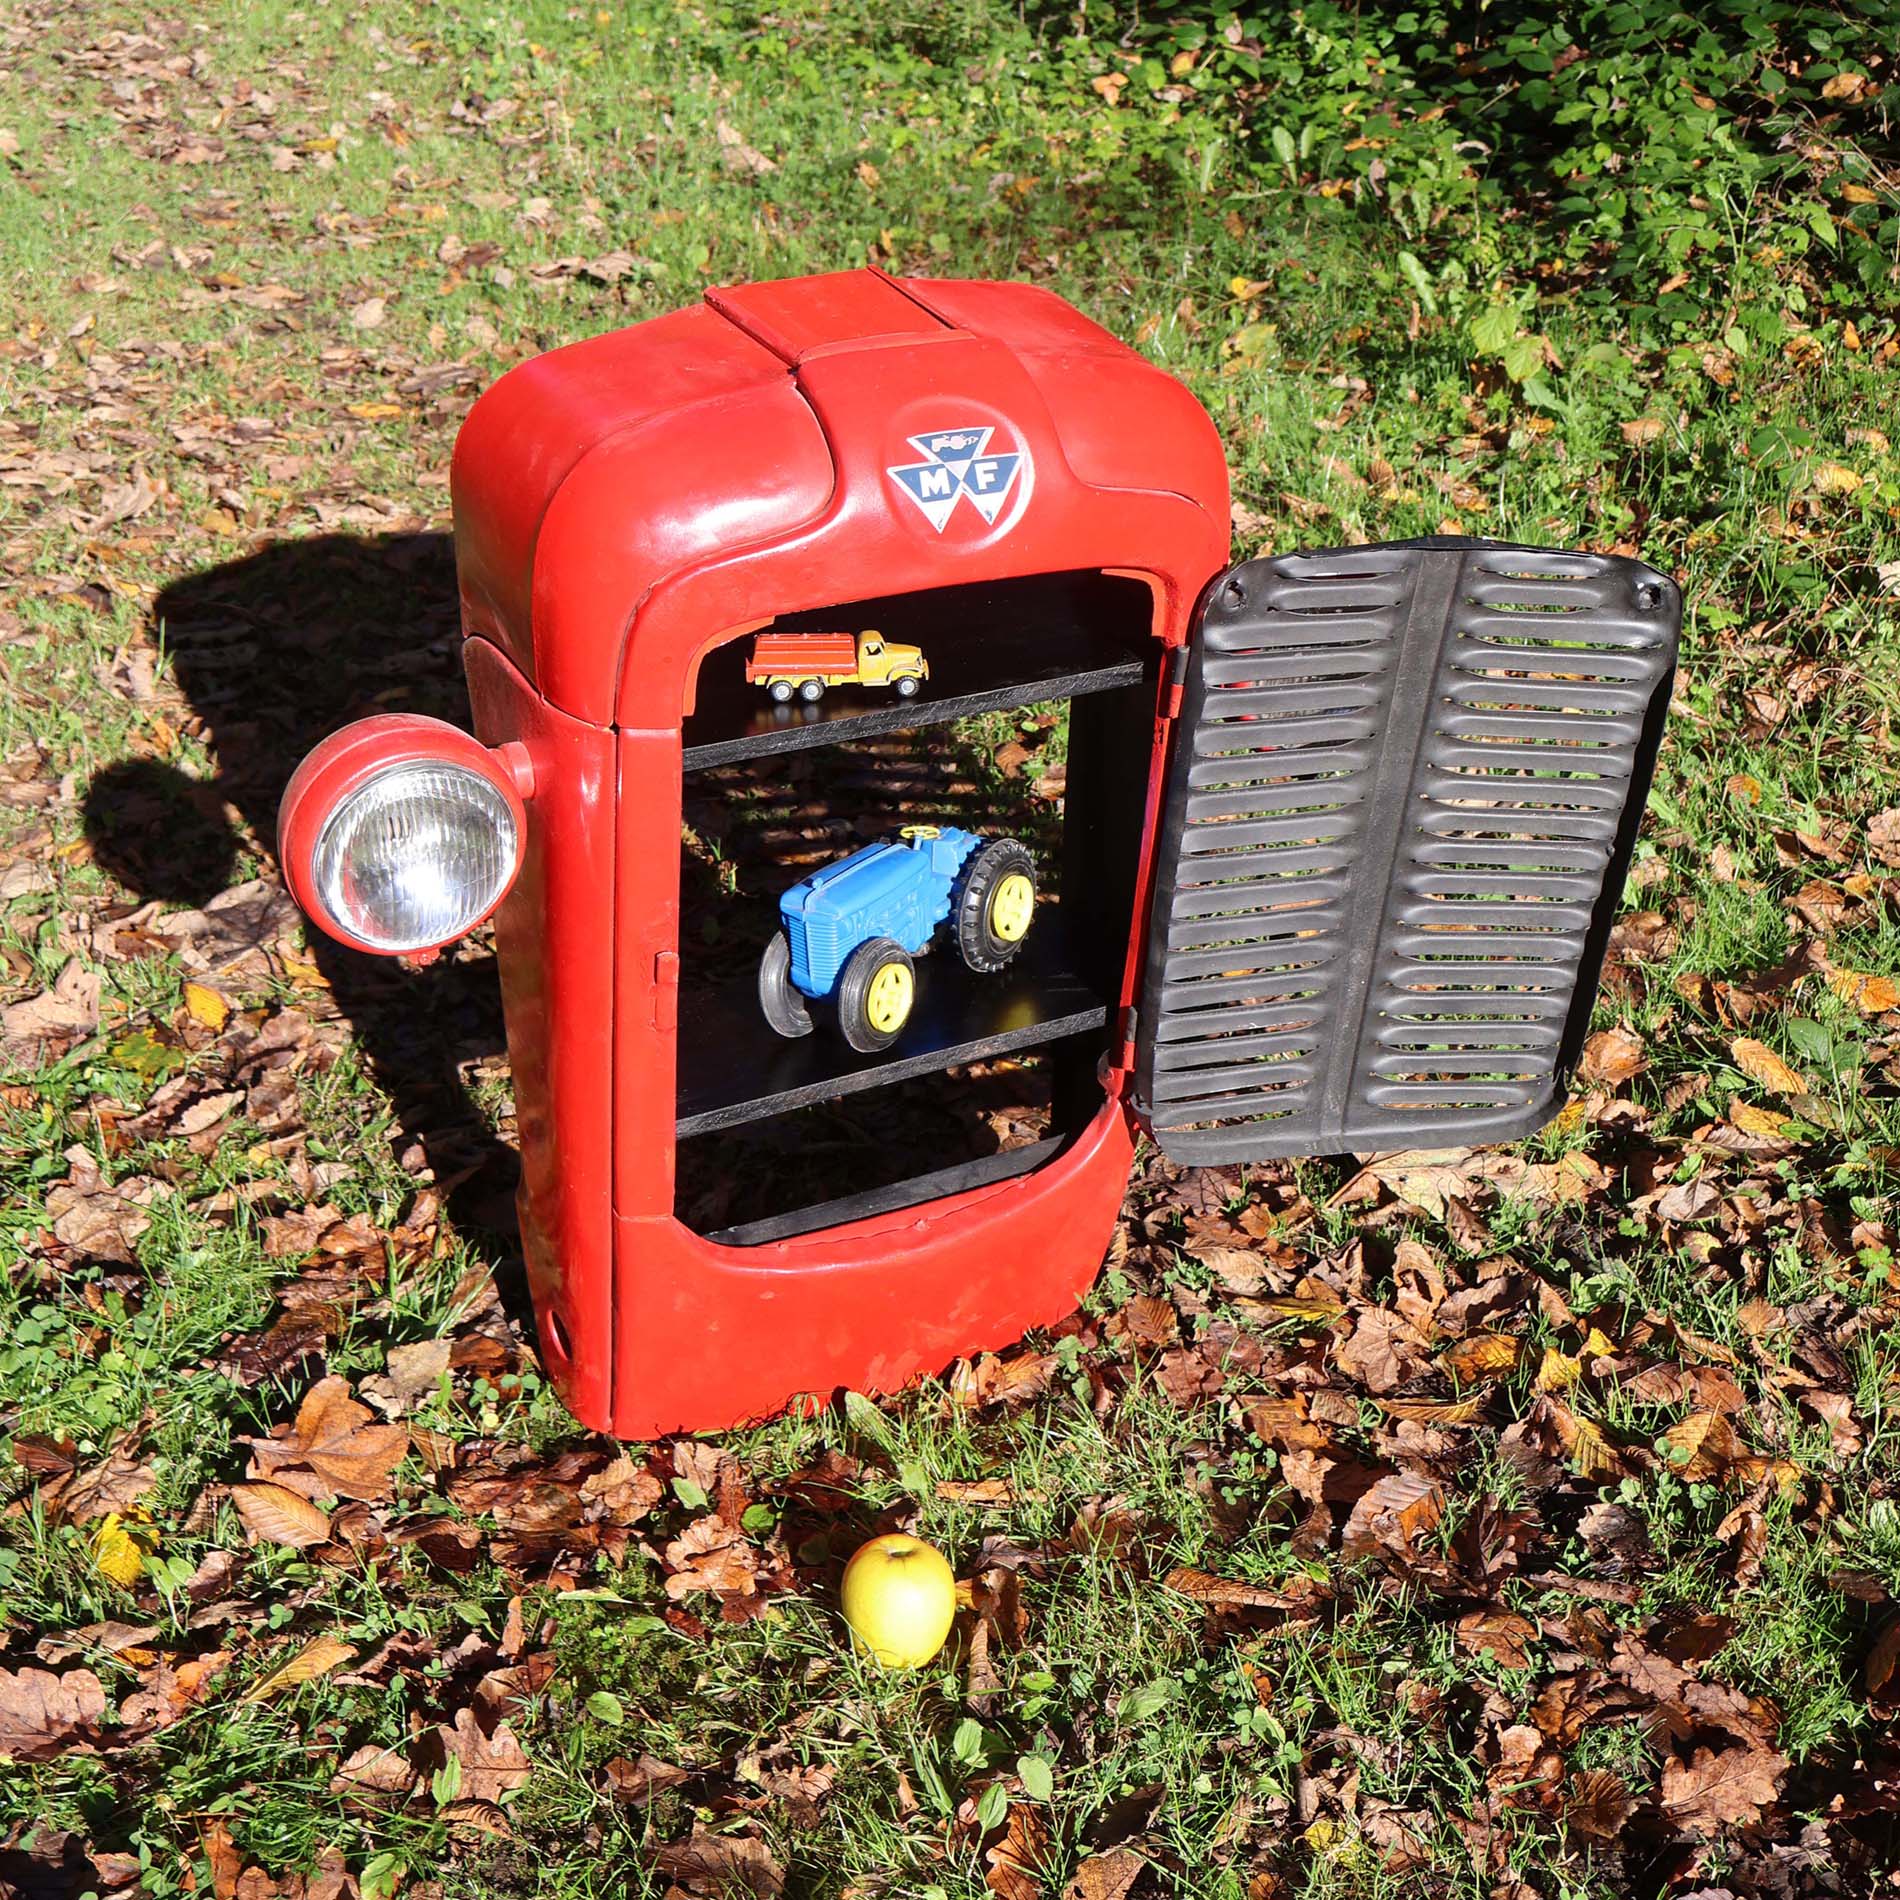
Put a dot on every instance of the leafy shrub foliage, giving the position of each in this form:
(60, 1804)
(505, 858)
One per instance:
(1714, 172)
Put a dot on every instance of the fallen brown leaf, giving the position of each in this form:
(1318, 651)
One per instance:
(977, 1491)
(1612, 1056)
(226, 1862)
(1016, 1861)
(113, 1485)
(1721, 1787)
(70, 1007)
(1223, 1593)
(43, 1716)
(1882, 1658)
(640, 1781)
(1105, 1876)
(1883, 836)
(1501, 1634)
(1464, 1411)
(711, 1554)
(622, 1492)
(1391, 1516)
(317, 1658)
(1583, 1442)
(1481, 1356)
(1382, 1353)
(100, 1219)
(1238, 1269)
(335, 1448)
(1702, 1446)
(1285, 1423)
(492, 1764)
(410, 1372)
(273, 1515)
(1598, 1804)
(726, 1865)
(1148, 1321)
(1760, 1064)
(736, 155)
(170, 1688)
(1871, 995)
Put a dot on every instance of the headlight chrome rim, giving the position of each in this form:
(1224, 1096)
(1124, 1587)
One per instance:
(377, 764)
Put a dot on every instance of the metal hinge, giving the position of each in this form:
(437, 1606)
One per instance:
(1176, 681)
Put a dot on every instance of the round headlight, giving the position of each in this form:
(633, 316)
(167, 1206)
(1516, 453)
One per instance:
(415, 855)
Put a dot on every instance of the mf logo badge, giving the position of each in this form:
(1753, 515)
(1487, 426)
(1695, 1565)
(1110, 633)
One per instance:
(958, 467)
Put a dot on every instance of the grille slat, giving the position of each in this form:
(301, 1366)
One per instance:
(1292, 1036)
(1404, 789)
(1218, 833)
(1280, 959)
(1195, 1085)
(1297, 903)
(1525, 793)
(1245, 735)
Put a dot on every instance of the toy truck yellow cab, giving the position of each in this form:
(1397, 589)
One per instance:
(804, 664)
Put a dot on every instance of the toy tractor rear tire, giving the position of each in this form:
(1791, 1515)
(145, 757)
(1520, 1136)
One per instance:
(907, 686)
(876, 993)
(781, 690)
(779, 999)
(811, 691)
(989, 908)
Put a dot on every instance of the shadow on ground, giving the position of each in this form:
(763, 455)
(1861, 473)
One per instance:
(274, 651)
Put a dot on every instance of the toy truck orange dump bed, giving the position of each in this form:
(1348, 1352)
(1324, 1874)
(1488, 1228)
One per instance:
(803, 656)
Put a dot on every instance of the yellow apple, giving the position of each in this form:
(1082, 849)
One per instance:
(899, 1599)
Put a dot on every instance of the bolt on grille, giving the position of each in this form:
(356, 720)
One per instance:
(1403, 796)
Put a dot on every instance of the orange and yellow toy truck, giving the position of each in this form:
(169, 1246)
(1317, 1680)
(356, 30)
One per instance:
(806, 663)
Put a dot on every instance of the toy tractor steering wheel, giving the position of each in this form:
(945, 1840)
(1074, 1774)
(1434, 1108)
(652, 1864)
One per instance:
(925, 832)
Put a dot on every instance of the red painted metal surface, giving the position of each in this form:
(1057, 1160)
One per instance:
(622, 507)
(709, 1336)
(523, 439)
(554, 947)
(588, 476)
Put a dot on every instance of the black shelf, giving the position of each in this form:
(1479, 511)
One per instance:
(989, 649)
(986, 1171)
(733, 1068)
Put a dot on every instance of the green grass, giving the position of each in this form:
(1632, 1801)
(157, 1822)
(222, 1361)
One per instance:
(183, 245)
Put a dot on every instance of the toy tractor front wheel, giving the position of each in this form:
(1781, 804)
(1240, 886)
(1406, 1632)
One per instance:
(779, 999)
(876, 993)
(994, 903)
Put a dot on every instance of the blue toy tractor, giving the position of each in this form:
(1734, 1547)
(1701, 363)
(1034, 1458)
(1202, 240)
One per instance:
(851, 931)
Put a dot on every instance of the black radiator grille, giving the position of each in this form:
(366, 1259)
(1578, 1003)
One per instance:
(1402, 799)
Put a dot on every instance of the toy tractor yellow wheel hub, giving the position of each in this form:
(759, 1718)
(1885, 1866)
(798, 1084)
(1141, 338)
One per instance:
(888, 998)
(1011, 905)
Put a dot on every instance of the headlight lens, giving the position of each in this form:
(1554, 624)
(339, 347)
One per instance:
(416, 855)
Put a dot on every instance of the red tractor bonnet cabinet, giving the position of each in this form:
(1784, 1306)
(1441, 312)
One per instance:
(977, 470)
(627, 510)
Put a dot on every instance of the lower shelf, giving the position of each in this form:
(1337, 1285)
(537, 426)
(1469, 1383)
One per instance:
(733, 1068)
(985, 1172)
